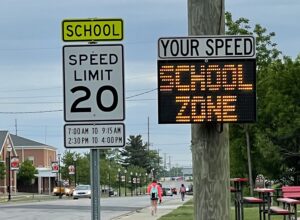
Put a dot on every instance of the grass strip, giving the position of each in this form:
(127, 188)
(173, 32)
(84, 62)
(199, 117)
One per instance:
(186, 212)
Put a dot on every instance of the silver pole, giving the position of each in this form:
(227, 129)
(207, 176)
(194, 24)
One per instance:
(95, 184)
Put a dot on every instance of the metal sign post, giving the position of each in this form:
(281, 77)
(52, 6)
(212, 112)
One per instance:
(95, 183)
(93, 79)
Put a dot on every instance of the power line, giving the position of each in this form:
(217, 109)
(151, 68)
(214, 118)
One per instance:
(25, 90)
(58, 48)
(58, 110)
(30, 112)
(22, 103)
(134, 100)
(47, 88)
(141, 93)
(28, 97)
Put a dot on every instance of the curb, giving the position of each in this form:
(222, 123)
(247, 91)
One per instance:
(128, 213)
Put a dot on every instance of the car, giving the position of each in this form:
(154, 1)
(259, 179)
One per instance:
(167, 191)
(69, 191)
(82, 191)
(58, 190)
(174, 190)
(189, 190)
(112, 193)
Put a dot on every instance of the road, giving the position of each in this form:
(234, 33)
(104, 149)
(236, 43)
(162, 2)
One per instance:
(68, 209)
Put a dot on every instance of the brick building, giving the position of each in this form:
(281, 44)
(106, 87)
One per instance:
(7, 150)
(41, 156)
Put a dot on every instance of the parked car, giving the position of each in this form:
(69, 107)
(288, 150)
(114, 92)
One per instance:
(167, 191)
(58, 190)
(82, 191)
(189, 190)
(69, 191)
(174, 191)
(112, 192)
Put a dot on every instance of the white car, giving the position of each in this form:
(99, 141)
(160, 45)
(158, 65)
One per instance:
(82, 191)
(167, 191)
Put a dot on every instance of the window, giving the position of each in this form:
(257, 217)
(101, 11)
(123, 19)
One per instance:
(31, 158)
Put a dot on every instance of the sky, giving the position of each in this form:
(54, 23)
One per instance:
(31, 91)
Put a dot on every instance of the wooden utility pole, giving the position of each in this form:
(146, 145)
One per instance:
(210, 141)
(148, 144)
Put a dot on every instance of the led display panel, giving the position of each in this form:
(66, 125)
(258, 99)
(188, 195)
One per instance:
(200, 91)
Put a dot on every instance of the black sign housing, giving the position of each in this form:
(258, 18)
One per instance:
(201, 91)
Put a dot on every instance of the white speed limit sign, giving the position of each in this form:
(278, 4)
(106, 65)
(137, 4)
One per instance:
(93, 82)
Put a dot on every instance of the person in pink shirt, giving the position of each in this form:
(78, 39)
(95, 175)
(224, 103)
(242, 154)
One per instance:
(155, 192)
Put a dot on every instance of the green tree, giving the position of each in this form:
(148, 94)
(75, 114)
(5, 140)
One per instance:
(26, 172)
(104, 171)
(136, 172)
(266, 52)
(135, 152)
(280, 118)
(266, 49)
(83, 169)
(109, 170)
(67, 160)
(155, 162)
(274, 138)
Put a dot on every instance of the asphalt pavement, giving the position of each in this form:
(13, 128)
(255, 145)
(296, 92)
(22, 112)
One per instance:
(34, 207)
(164, 208)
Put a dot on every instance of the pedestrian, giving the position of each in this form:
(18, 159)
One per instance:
(155, 192)
(182, 191)
(161, 193)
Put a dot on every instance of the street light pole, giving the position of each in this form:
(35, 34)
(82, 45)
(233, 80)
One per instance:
(9, 148)
(75, 169)
(140, 183)
(119, 172)
(131, 183)
(125, 171)
(59, 181)
(109, 181)
(136, 184)
(146, 182)
(152, 173)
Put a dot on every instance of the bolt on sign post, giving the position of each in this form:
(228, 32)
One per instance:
(208, 80)
(94, 102)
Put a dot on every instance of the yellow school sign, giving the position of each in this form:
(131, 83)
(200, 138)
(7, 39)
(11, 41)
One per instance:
(92, 29)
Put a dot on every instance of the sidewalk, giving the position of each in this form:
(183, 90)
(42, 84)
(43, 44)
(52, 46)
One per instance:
(145, 214)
